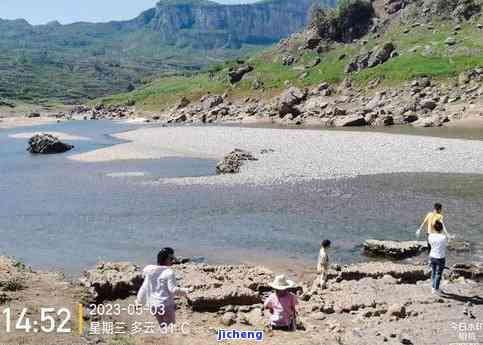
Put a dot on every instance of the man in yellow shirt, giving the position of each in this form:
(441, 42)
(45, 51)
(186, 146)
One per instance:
(430, 221)
(432, 218)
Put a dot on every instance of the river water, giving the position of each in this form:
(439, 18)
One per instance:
(59, 214)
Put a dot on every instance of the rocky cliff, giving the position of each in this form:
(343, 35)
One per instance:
(209, 25)
(88, 60)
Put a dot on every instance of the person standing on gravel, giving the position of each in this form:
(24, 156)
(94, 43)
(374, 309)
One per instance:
(438, 242)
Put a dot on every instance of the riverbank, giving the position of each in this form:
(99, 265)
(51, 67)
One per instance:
(286, 156)
(365, 304)
(18, 121)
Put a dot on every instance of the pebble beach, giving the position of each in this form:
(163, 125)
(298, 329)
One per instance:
(294, 155)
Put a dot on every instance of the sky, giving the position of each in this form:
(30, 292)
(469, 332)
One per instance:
(69, 11)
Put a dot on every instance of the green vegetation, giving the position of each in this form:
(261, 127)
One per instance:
(349, 20)
(81, 61)
(422, 52)
(13, 283)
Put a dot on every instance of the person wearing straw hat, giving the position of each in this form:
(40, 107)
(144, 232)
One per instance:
(282, 304)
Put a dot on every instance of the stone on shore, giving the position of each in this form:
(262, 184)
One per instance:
(469, 271)
(47, 144)
(211, 101)
(214, 299)
(397, 310)
(205, 277)
(232, 162)
(228, 319)
(216, 287)
(394, 249)
(289, 99)
(350, 121)
(406, 274)
(112, 280)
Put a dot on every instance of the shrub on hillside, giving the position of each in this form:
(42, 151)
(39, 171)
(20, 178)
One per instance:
(350, 20)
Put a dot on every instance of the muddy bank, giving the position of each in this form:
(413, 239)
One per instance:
(364, 304)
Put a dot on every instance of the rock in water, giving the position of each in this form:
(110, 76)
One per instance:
(47, 144)
(233, 161)
(112, 280)
(394, 249)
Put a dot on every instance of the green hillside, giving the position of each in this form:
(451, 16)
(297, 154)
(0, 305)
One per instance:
(422, 47)
(75, 62)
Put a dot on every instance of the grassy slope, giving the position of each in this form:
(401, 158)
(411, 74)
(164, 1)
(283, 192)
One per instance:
(412, 62)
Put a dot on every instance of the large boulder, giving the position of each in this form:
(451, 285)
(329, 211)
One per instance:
(407, 274)
(112, 280)
(469, 271)
(394, 249)
(288, 60)
(370, 59)
(312, 39)
(236, 74)
(211, 101)
(289, 99)
(430, 121)
(214, 299)
(47, 144)
(350, 121)
(217, 286)
(381, 54)
(233, 161)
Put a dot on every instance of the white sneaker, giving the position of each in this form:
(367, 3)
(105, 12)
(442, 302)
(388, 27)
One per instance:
(433, 291)
(438, 292)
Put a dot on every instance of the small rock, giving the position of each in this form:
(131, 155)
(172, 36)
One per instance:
(397, 310)
(450, 41)
(228, 319)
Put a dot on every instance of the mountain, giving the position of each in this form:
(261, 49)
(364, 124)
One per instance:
(88, 60)
(359, 47)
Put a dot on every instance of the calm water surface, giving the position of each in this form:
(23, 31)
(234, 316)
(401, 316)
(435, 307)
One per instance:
(67, 215)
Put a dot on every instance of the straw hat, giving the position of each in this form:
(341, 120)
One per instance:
(282, 283)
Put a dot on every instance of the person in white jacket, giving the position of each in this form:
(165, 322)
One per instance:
(159, 288)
